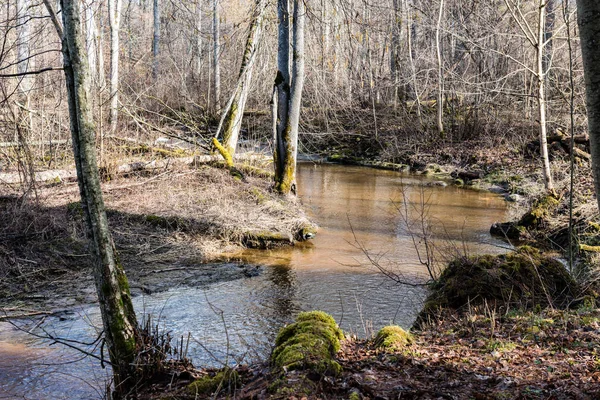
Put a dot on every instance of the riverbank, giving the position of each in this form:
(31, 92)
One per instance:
(480, 354)
(171, 227)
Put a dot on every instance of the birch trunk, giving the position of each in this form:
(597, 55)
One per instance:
(216, 56)
(541, 96)
(588, 18)
(114, 19)
(235, 108)
(118, 316)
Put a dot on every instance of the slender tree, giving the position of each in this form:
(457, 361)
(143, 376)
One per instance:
(216, 55)
(289, 95)
(588, 18)
(114, 19)
(156, 38)
(234, 111)
(118, 316)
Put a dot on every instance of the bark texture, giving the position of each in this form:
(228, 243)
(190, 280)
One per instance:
(236, 105)
(289, 93)
(588, 18)
(114, 18)
(117, 312)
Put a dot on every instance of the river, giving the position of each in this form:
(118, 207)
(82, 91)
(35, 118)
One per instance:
(366, 217)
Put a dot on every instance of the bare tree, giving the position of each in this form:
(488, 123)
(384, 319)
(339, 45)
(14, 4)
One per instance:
(114, 19)
(216, 56)
(289, 95)
(156, 38)
(118, 316)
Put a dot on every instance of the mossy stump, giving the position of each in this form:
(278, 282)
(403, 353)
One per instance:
(308, 344)
(524, 279)
(392, 338)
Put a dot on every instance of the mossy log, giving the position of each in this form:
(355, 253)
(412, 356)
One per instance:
(308, 344)
(266, 239)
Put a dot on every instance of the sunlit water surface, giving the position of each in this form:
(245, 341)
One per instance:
(366, 216)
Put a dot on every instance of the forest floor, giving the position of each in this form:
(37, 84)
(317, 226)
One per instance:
(478, 355)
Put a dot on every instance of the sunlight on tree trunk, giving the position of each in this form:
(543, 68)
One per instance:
(118, 316)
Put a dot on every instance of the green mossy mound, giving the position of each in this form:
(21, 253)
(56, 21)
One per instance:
(525, 278)
(541, 210)
(226, 380)
(308, 344)
(392, 338)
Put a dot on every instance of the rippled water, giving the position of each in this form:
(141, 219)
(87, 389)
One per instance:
(358, 212)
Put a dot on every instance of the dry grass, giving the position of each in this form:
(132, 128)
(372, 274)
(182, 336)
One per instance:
(176, 218)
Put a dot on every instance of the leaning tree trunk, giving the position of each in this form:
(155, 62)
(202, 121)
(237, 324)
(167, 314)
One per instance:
(289, 96)
(234, 112)
(118, 316)
(588, 12)
(114, 18)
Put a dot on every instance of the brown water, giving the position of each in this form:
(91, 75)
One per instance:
(357, 210)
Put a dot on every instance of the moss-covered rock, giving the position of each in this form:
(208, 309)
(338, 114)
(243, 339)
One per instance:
(392, 337)
(308, 344)
(539, 213)
(225, 380)
(525, 278)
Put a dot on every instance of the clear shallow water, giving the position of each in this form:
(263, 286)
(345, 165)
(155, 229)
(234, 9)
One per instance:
(357, 210)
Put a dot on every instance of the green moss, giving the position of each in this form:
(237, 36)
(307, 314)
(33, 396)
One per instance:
(392, 337)
(309, 343)
(525, 278)
(226, 378)
(539, 213)
(226, 155)
(354, 396)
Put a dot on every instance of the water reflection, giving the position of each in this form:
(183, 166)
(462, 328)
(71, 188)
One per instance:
(229, 322)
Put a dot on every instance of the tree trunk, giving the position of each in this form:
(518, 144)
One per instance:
(235, 108)
(216, 56)
(90, 40)
(289, 95)
(114, 18)
(117, 312)
(198, 35)
(440, 65)
(24, 60)
(588, 18)
(541, 97)
(156, 39)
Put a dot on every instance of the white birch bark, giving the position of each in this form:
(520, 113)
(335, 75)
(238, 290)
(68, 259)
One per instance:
(114, 19)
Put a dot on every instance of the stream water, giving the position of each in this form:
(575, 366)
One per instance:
(366, 217)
